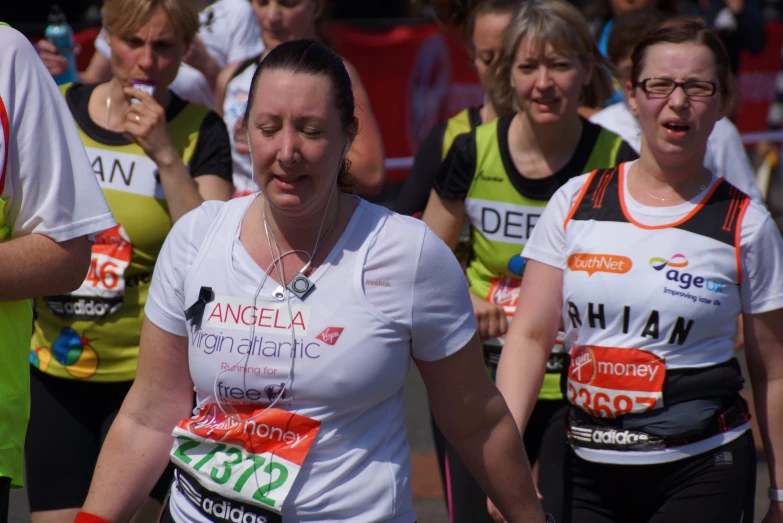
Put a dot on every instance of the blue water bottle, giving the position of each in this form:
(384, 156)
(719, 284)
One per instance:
(60, 34)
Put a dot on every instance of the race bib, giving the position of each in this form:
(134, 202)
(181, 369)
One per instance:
(504, 291)
(102, 291)
(608, 382)
(249, 457)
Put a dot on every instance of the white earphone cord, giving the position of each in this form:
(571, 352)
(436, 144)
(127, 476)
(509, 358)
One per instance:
(276, 263)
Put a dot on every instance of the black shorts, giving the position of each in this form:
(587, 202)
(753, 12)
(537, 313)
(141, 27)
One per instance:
(545, 443)
(69, 420)
(717, 486)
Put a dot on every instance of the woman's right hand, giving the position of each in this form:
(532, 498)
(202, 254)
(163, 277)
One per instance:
(491, 318)
(55, 63)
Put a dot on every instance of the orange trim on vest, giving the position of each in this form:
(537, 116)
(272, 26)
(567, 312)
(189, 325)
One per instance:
(737, 231)
(579, 198)
(687, 217)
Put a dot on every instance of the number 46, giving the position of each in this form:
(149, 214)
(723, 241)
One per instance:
(105, 274)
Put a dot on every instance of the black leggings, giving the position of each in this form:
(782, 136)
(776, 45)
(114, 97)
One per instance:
(545, 442)
(717, 486)
(5, 490)
(69, 420)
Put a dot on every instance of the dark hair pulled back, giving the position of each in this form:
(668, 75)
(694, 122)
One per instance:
(461, 15)
(685, 30)
(314, 58)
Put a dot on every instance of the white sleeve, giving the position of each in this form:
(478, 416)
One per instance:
(101, 45)
(245, 39)
(50, 187)
(761, 252)
(166, 300)
(442, 314)
(547, 243)
(727, 157)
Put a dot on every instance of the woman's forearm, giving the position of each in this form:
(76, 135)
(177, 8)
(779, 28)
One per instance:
(182, 195)
(35, 265)
(131, 461)
(496, 457)
(768, 400)
(520, 375)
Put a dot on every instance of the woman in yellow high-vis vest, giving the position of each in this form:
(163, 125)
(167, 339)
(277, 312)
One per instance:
(156, 158)
(481, 29)
(500, 177)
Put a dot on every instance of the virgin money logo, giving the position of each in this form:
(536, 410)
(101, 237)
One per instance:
(582, 366)
(330, 335)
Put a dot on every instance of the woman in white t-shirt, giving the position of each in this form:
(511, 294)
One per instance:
(648, 265)
(295, 315)
(283, 21)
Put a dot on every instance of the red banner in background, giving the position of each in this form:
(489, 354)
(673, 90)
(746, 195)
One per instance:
(757, 82)
(416, 77)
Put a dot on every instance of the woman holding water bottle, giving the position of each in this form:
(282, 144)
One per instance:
(156, 158)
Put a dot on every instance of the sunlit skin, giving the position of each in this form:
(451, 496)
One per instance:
(296, 141)
(547, 84)
(488, 41)
(286, 20)
(657, 114)
(624, 6)
(152, 53)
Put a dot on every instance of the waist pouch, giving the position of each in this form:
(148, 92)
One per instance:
(698, 403)
(556, 363)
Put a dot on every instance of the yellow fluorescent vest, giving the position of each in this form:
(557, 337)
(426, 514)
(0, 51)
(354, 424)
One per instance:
(96, 338)
(502, 219)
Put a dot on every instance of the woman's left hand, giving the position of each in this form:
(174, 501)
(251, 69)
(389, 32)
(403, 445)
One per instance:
(146, 123)
(774, 514)
(494, 512)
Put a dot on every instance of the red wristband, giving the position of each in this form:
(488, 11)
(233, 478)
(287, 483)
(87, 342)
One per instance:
(86, 517)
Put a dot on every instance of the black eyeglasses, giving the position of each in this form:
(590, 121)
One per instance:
(666, 86)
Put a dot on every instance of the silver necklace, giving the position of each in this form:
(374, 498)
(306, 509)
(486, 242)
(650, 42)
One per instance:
(648, 193)
(108, 105)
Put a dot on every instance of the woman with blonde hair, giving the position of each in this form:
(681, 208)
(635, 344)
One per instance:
(156, 158)
(500, 177)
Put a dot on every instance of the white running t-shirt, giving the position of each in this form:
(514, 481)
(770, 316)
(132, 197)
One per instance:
(389, 290)
(651, 288)
(234, 105)
(55, 194)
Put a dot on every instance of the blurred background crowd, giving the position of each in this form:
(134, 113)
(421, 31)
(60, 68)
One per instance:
(417, 75)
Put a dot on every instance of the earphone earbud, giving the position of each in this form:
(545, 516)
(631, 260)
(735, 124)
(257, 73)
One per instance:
(347, 147)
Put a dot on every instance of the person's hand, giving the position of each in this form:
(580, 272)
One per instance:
(735, 6)
(146, 123)
(774, 513)
(240, 139)
(764, 148)
(198, 57)
(491, 318)
(54, 62)
(495, 513)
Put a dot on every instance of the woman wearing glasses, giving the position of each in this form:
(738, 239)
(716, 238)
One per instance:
(648, 265)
